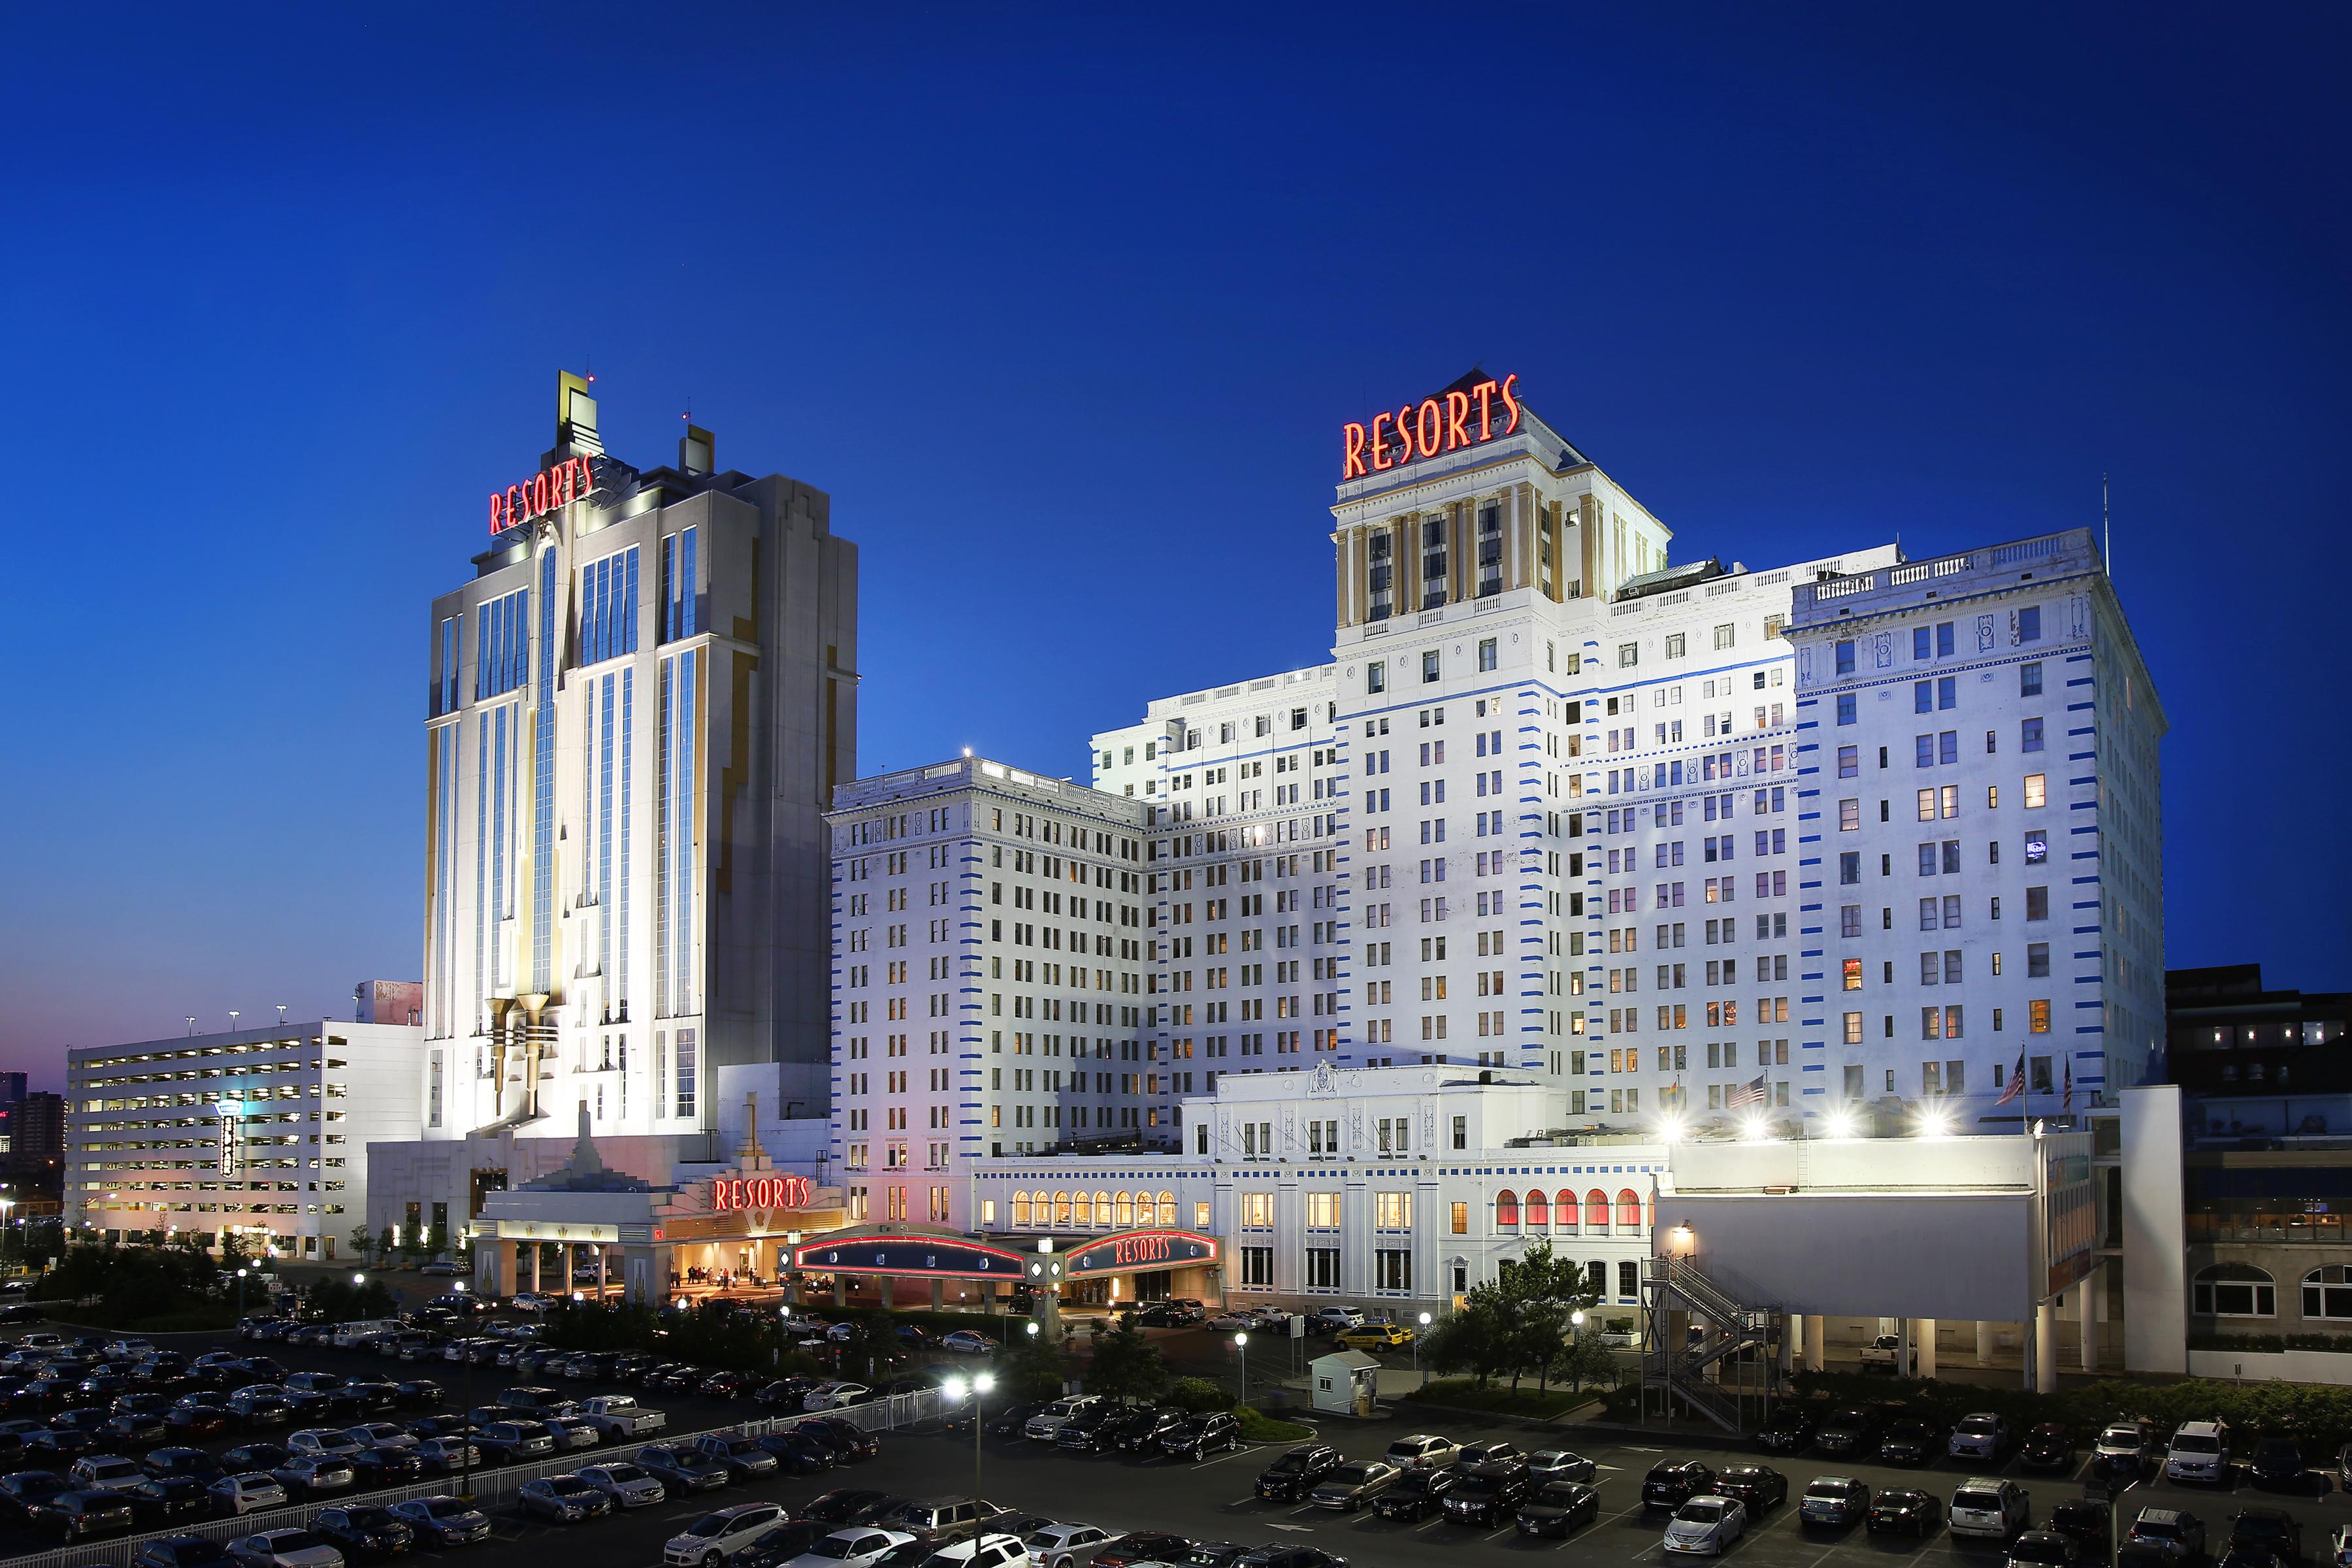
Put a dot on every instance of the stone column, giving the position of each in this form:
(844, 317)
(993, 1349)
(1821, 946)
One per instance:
(501, 1256)
(2088, 1312)
(1816, 1334)
(603, 1256)
(939, 1295)
(882, 1285)
(1903, 1349)
(1925, 1327)
(535, 1263)
(840, 1292)
(1984, 1342)
(2045, 1347)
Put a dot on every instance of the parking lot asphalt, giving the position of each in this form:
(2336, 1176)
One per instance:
(1213, 1500)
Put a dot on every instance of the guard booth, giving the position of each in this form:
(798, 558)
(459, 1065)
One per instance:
(1346, 1383)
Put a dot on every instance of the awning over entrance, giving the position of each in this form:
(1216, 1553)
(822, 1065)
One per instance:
(949, 1254)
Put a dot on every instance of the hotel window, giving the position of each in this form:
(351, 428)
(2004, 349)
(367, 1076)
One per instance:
(1845, 710)
(1392, 1269)
(1459, 1219)
(1200, 1215)
(2037, 1017)
(1323, 1210)
(1629, 654)
(1392, 1211)
(2030, 736)
(2036, 790)
(1725, 636)
(2029, 623)
(1379, 573)
(1322, 1269)
(1486, 654)
(1429, 667)
(1854, 1028)
(1853, 974)
(2029, 679)
(1376, 677)
(1490, 550)
(2235, 1290)
(685, 1056)
(681, 613)
(1257, 1267)
(988, 1212)
(1257, 1209)
(1674, 645)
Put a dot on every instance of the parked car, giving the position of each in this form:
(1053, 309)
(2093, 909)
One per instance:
(105, 1473)
(285, 1549)
(1559, 1464)
(248, 1493)
(182, 1551)
(364, 1530)
(565, 1499)
(2047, 1450)
(1376, 1337)
(1786, 1431)
(446, 1456)
(2270, 1530)
(837, 1395)
(2084, 1523)
(965, 1341)
(1417, 1494)
(443, 1521)
(159, 1502)
(1758, 1485)
(513, 1442)
(1142, 1546)
(678, 1468)
(2199, 1451)
(854, 1546)
(312, 1475)
(629, 1486)
(1706, 1526)
(1202, 1436)
(1989, 1508)
(372, 1468)
(1354, 1484)
(192, 1462)
(850, 1444)
(947, 1519)
(1834, 1500)
(1488, 1493)
(742, 1458)
(1557, 1507)
(1066, 1545)
(1046, 1425)
(798, 1453)
(1091, 1430)
(1845, 1431)
(73, 1516)
(2277, 1463)
(1903, 1509)
(2045, 1549)
(620, 1416)
(711, 1539)
(1674, 1482)
(1981, 1435)
(1905, 1441)
(1333, 1320)
(849, 1505)
(1296, 1473)
(1142, 1431)
(1423, 1451)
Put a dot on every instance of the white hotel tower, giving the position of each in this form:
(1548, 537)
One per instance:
(1544, 810)
(638, 709)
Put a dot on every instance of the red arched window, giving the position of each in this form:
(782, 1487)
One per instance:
(1538, 1209)
(1628, 1210)
(1507, 1209)
(1564, 1205)
(1596, 1211)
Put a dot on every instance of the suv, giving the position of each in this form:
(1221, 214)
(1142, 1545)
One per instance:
(1989, 1508)
(711, 1539)
(742, 1456)
(1488, 1493)
(2270, 1530)
(1333, 1320)
(2168, 1531)
(1674, 1483)
(2276, 1462)
(1294, 1475)
(944, 1519)
(1091, 1430)
(1046, 1425)
(1979, 1437)
(2199, 1452)
(1423, 1452)
(1202, 1433)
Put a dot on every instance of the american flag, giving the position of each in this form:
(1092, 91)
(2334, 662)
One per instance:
(1746, 1095)
(2016, 1090)
(2066, 1106)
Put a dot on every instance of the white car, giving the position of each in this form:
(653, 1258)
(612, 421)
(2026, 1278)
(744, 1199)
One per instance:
(621, 1415)
(574, 1431)
(1046, 1425)
(1559, 1464)
(981, 1551)
(715, 1536)
(1066, 1545)
(316, 1473)
(833, 1395)
(381, 1434)
(1706, 1525)
(1987, 1508)
(106, 1473)
(1981, 1435)
(284, 1549)
(1335, 1320)
(248, 1493)
(128, 1350)
(1233, 1320)
(2199, 1451)
(859, 1546)
(963, 1342)
(629, 1486)
(324, 1440)
(534, 1301)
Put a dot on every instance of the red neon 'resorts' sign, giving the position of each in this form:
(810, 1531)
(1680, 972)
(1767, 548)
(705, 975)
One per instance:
(761, 1192)
(568, 481)
(1446, 423)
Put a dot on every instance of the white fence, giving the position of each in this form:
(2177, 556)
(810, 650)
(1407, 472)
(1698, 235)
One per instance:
(493, 1487)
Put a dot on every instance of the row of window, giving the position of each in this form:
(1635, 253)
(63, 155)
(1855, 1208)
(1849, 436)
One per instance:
(2243, 1290)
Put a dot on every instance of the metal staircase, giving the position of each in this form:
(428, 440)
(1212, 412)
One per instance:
(1696, 1343)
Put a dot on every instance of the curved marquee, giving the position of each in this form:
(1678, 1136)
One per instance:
(1142, 1250)
(908, 1255)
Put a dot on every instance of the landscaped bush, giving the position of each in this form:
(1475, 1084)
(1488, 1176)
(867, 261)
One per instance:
(1258, 1428)
(1463, 1393)
(1199, 1396)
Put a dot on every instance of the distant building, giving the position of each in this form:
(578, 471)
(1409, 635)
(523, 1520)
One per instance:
(12, 1088)
(34, 1129)
(388, 1001)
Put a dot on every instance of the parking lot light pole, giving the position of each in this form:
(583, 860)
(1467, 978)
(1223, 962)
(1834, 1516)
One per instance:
(1241, 1343)
(1416, 1349)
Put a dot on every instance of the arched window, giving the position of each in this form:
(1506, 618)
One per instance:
(1538, 1209)
(2327, 1292)
(1062, 1211)
(1168, 1208)
(2235, 1290)
(1125, 1210)
(1020, 1210)
(1102, 1208)
(1507, 1209)
(1628, 1210)
(1081, 1211)
(1596, 1211)
(1564, 1211)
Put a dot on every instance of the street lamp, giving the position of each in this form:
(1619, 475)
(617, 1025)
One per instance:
(240, 1291)
(956, 1389)
(1416, 1350)
(1241, 1343)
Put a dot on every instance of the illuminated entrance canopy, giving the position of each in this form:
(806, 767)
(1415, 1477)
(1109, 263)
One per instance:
(1457, 418)
(963, 1258)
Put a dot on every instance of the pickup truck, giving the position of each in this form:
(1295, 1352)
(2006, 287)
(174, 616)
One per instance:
(620, 1416)
(1886, 1351)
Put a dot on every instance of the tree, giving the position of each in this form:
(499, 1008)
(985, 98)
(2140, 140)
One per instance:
(363, 1242)
(1586, 1358)
(416, 1244)
(1030, 1368)
(383, 1246)
(1475, 1339)
(1126, 1366)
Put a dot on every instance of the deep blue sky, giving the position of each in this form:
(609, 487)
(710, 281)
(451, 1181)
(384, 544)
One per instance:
(1064, 310)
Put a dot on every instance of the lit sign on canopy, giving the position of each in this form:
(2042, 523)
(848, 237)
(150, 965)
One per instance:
(569, 480)
(908, 1255)
(1143, 1249)
(761, 1192)
(1446, 423)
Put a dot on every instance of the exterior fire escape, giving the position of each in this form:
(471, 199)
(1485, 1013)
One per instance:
(1709, 1347)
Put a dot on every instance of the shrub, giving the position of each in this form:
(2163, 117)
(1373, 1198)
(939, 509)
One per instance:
(1198, 1395)
(1257, 1427)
